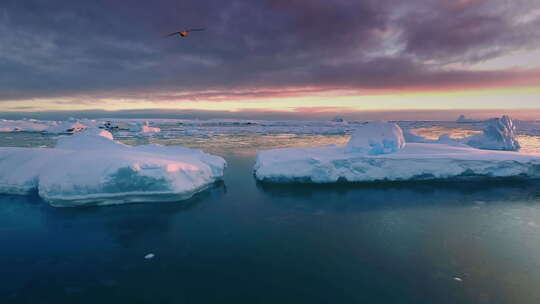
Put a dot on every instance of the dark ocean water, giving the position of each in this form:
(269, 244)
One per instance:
(243, 242)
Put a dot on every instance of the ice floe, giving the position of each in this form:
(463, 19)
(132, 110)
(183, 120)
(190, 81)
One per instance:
(414, 161)
(90, 168)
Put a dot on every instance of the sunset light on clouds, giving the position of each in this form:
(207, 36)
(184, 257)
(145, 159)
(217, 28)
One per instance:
(270, 55)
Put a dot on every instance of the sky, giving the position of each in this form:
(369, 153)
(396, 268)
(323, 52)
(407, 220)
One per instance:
(297, 56)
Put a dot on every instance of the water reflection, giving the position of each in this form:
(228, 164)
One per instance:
(124, 222)
(365, 197)
(243, 144)
(529, 144)
(435, 132)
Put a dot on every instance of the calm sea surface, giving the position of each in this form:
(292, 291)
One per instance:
(244, 242)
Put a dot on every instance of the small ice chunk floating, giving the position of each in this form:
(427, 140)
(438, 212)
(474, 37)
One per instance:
(378, 152)
(144, 127)
(91, 168)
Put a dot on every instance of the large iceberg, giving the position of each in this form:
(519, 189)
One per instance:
(413, 161)
(90, 168)
(499, 134)
(375, 138)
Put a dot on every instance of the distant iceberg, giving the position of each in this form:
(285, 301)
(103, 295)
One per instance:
(90, 168)
(144, 127)
(499, 134)
(463, 119)
(339, 119)
(413, 161)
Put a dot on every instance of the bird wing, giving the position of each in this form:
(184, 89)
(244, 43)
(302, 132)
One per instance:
(172, 34)
(196, 29)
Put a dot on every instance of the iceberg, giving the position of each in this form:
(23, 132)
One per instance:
(416, 161)
(66, 127)
(499, 134)
(371, 161)
(463, 119)
(20, 168)
(91, 168)
(375, 138)
(144, 128)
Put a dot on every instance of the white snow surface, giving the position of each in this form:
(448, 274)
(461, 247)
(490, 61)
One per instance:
(376, 138)
(416, 161)
(90, 168)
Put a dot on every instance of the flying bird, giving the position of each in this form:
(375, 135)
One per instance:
(185, 33)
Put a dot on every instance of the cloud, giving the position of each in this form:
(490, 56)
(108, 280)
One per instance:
(64, 48)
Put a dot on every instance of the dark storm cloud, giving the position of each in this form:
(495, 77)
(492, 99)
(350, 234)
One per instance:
(63, 47)
(470, 30)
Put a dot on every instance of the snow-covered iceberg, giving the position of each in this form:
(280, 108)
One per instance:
(413, 161)
(375, 138)
(499, 134)
(90, 168)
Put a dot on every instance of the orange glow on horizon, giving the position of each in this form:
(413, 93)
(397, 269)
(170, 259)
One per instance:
(305, 99)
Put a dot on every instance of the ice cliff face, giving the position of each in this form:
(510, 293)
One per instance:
(376, 138)
(499, 134)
